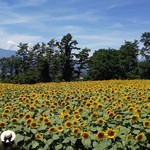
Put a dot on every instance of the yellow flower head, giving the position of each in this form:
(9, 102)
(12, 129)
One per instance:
(14, 120)
(60, 128)
(51, 129)
(33, 124)
(100, 121)
(131, 109)
(85, 135)
(94, 115)
(111, 114)
(118, 117)
(75, 131)
(146, 123)
(27, 116)
(134, 118)
(77, 116)
(38, 136)
(4, 115)
(111, 134)
(20, 115)
(41, 118)
(6, 111)
(68, 124)
(2, 124)
(100, 135)
(28, 121)
(80, 110)
(139, 137)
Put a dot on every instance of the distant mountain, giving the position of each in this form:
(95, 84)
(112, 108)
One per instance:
(6, 53)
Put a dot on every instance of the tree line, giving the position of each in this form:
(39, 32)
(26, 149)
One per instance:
(64, 61)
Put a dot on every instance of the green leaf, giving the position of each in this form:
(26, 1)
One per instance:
(55, 137)
(35, 144)
(87, 143)
(27, 138)
(59, 147)
(26, 129)
(42, 127)
(34, 131)
(73, 140)
(104, 143)
(46, 147)
(136, 131)
(69, 148)
(19, 138)
(124, 130)
(66, 140)
(48, 142)
(147, 130)
(95, 144)
(136, 126)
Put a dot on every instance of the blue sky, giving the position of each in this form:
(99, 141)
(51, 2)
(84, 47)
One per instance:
(94, 24)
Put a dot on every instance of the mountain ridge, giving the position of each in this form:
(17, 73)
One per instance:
(6, 53)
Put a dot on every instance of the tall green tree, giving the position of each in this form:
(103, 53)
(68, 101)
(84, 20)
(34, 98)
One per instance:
(81, 62)
(104, 65)
(66, 47)
(129, 52)
(145, 51)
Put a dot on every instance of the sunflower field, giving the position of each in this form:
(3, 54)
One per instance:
(90, 115)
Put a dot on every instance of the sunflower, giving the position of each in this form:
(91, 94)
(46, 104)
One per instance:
(146, 123)
(111, 134)
(118, 117)
(138, 110)
(65, 116)
(77, 116)
(38, 136)
(40, 118)
(94, 115)
(20, 115)
(131, 109)
(14, 120)
(80, 110)
(32, 108)
(100, 121)
(33, 124)
(4, 115)
(27, 105)
(75, 122)
(51, 129)
(27, 116)
(128, 136)
(20, 104)
(60, 128)
(100, 135)
(68, 124)
(134, 118)
(48, 123)
(46, 119)
(139, 137)
(6, 111)
(75, 131)
(14, 109)
(85, 135)
(28, 121)
(2, 124)
(111, 114)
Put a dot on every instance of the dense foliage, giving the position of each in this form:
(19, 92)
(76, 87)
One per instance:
(64, 61)
(89, 115)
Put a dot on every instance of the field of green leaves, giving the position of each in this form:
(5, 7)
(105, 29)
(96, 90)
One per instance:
(94, 115)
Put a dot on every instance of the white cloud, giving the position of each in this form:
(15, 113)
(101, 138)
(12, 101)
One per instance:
(10, 41)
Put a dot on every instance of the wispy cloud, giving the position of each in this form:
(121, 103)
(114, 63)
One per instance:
(94, 24)
(12, 40)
